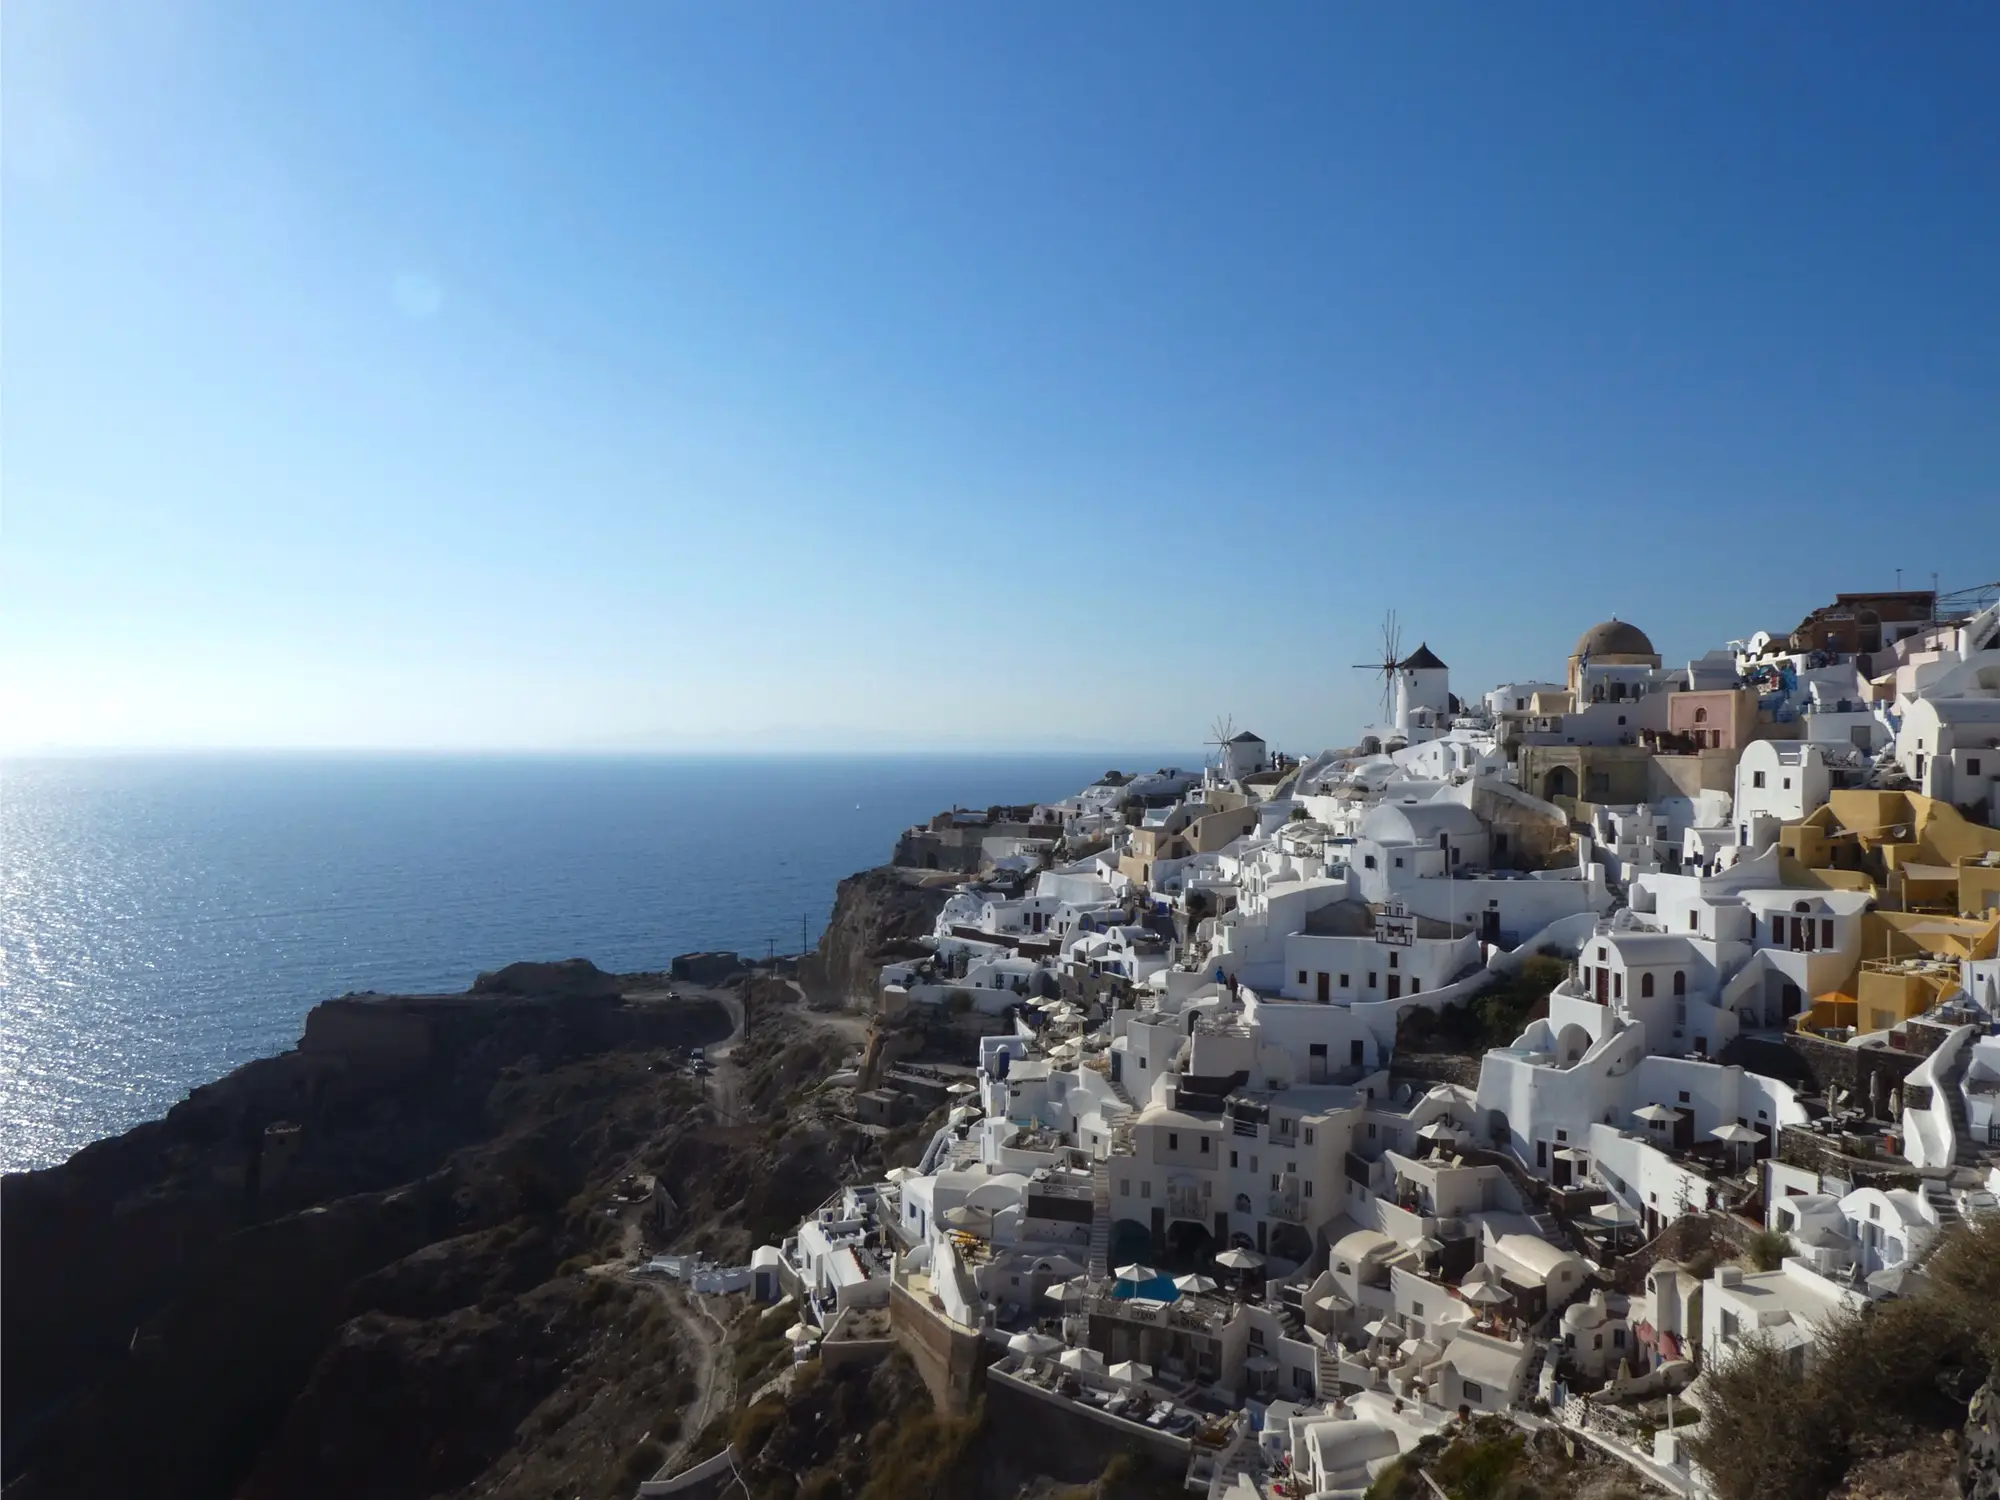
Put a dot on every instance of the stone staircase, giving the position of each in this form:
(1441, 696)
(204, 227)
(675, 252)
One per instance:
(1120, 1091)
(1531, 1377)
(1937, 1191)
(1099, 1265)
(1962, 1148)
(1326, 1371)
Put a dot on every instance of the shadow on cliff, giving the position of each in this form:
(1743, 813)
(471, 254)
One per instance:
(395, 1185)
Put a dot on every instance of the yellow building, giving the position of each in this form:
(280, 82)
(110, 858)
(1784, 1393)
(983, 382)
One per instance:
(1911, 852)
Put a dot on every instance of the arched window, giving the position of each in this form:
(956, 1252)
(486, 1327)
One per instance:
(1645, 986)
(1680, 982)
(1701, 716)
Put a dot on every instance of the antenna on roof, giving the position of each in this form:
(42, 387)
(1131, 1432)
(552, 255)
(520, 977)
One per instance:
(1392, 641)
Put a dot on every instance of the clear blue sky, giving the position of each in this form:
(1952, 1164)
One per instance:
(630, 375)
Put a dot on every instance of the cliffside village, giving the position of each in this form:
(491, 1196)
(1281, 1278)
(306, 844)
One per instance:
(1194, 1202)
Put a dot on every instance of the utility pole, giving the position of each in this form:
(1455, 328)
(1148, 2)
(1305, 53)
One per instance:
(802, 934)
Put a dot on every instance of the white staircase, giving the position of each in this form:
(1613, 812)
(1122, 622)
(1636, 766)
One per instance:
(1100, 1220)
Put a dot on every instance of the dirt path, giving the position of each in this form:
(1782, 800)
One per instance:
(706, 1342)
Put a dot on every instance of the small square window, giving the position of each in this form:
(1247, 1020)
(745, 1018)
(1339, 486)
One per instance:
(1371, 979)
(1684, 1096)
(1302, 976)
(1174, 1139)
(1343, 981)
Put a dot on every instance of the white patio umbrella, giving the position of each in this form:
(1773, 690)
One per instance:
(962, 1088)
(1131, 1372)
(1239, 1259)
(1617, 1215)
(902, 1174)
(1439, 1130)
(1571, 1154)
(1136, 1272)
(1485, 1294)
(1657, 1114)
(969, 1217)
(1081, 1359)
(1428, 1245)
(1376, 1329)
(802, 1333)
(1734, 1135)
(1032, 1343)
(1260, 1364)
(1067, 1293)
(1195, 1283)
(1332, 1302)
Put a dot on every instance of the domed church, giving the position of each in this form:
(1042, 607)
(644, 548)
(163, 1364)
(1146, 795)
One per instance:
(1614, 643)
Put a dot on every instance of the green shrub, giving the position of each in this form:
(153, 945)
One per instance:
(755, 1424)
(1768, 1248)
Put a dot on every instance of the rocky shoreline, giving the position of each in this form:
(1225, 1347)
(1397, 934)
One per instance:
(366, 1265)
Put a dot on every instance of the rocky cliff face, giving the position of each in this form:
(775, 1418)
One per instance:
(356, 1216)
(1979, 1450)
(877, 917)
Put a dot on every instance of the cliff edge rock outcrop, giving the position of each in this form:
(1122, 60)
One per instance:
(369, 1202)
(878, 915)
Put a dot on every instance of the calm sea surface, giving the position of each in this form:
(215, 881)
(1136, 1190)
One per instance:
(163, 919)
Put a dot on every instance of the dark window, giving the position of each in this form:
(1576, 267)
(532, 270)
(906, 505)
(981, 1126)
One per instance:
(1683, 1096)
(1472, 1391)
(1368, 860)
(1173, 1140)
(1392, 960)
(1680, 982)
(1645, 986)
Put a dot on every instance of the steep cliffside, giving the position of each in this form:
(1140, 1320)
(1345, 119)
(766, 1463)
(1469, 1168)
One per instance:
(172, 1291)
(877, 917)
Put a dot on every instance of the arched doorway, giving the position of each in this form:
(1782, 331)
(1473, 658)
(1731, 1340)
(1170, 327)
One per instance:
(1291, 1242)
(1571, 1043)
(1559, 782)
(1189, 1244)
(1130, 1241)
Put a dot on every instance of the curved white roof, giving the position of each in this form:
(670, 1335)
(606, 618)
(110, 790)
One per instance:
(1363, 1244)
(1534, 1255)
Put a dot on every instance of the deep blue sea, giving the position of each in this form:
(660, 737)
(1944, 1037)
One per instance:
(165, 918)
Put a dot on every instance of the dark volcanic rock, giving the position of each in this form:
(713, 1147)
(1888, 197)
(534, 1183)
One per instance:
(577, 978)
(171, 1291)
(707, 968)
(877, 917)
